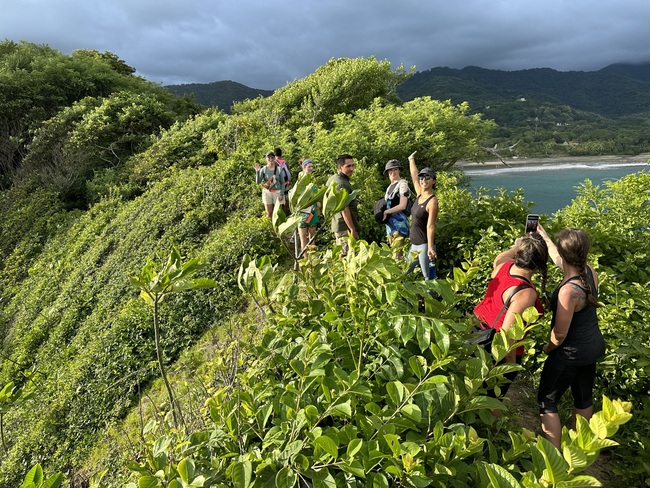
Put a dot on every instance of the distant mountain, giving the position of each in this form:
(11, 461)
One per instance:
(612, 92)
(638, 71)
(221, 94)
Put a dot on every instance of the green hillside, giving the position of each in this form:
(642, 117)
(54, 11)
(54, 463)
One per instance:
(546, 112)
(258, 368)
(220, 94)
(608, 92)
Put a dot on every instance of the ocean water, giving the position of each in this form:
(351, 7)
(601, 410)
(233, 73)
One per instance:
(550, 186)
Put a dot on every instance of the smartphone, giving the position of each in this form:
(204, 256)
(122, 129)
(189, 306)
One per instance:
(531, 223)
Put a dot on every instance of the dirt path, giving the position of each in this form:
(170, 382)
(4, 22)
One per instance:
(523, 400)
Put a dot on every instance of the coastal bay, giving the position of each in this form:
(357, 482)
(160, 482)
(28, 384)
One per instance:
(551, 183)
(518, 161)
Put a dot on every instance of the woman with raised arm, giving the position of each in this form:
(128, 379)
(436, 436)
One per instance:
(575, 342)
(423, 219)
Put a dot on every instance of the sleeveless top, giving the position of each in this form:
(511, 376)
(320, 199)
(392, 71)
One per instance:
(488, 308)
(584, 342)
(419, 219)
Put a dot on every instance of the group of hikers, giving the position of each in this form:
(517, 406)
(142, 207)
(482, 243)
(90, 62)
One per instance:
(575, 341)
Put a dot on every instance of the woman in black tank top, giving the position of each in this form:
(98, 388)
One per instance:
(423, 219)
(575, 342)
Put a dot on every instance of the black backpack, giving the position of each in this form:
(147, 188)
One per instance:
(378, 211)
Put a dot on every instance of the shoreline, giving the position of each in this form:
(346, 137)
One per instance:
(523, 161)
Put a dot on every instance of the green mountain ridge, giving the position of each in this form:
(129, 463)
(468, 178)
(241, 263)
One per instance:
(605, 92)
(615, 91)
(221, 94)
(546, 112)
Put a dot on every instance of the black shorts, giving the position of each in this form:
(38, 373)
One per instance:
(557, 377)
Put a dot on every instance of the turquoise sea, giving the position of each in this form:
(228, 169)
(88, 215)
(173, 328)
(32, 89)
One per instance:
(550, 186)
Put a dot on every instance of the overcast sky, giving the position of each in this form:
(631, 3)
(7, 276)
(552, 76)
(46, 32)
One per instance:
(267, 43)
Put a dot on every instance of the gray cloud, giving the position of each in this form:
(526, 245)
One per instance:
(265, 44)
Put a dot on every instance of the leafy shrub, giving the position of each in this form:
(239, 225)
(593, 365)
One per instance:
(351, 385)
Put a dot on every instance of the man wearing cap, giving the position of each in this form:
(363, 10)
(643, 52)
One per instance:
(397, 196)
(345, 222)
(272, 183)
(423, 219)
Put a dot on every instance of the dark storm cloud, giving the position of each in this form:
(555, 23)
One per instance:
(265, 44)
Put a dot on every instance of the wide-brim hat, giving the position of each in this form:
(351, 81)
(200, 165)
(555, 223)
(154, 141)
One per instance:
(427, 172)
(392, 164)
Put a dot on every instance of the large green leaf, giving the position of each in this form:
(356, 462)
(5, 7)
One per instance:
(53, 481)
(323, 479)
(286, 478)
(242, 474)
(412, 412)
(33, 477)
(328, 446)
(481, 402)
(396, 392)
(582, 481)
(149, 482)
(555, 465)
(498, 476)
(575, 458)
(186, 470)
(354, 446)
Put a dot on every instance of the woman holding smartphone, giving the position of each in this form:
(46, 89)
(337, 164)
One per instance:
(575, 343)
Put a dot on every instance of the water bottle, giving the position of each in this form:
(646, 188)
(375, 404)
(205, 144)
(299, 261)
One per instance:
(432, 270)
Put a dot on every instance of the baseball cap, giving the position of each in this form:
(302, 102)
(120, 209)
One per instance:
(427, 172)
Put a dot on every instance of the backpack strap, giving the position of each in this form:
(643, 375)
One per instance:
(390, 191)
(506, 304)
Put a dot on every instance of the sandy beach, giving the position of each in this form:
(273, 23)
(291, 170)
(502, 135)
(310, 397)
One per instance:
(639, 158)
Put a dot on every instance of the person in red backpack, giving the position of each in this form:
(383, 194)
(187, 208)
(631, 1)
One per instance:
(510, 291)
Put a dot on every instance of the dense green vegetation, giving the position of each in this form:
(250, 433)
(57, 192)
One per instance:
(321, 370)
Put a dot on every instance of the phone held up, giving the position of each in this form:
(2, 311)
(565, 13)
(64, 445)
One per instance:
(531, 223)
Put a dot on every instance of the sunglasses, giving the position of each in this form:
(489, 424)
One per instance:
(425, 177)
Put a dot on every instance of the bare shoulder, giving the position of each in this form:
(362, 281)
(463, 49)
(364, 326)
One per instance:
(432, 205)
(525, 297)
(572, 296)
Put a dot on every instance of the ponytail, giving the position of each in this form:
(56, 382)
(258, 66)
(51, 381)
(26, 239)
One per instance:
(543, 275)
(587, 285)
